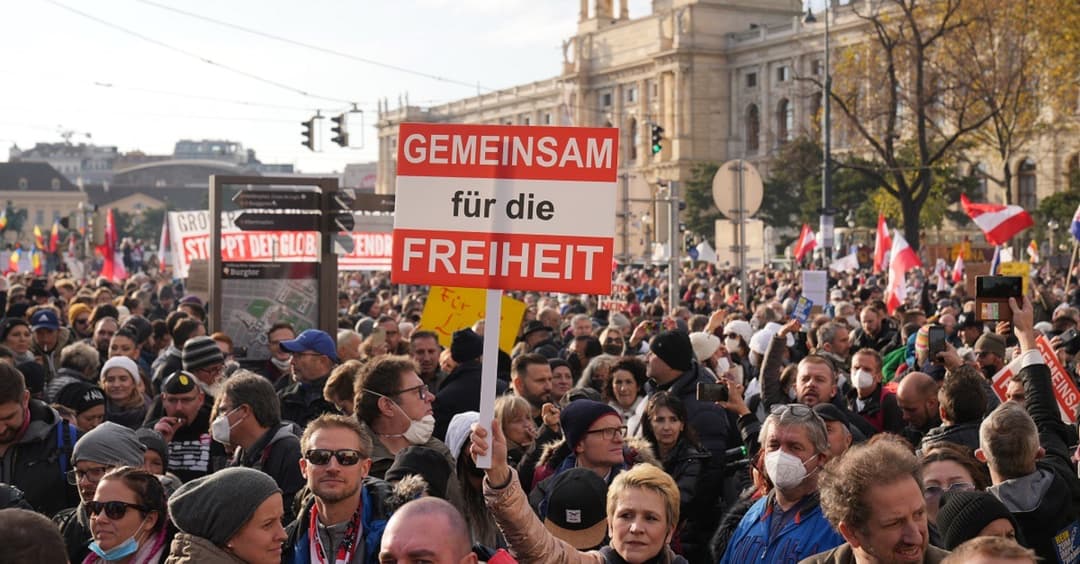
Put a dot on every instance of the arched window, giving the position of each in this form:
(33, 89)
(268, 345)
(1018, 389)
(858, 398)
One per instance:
(753, 129)
(632, 141)
(1026, 187)
(978, 173)
(785, 120)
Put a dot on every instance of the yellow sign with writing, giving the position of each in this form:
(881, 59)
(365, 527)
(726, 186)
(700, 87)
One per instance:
(449, 309)
(1017, 268)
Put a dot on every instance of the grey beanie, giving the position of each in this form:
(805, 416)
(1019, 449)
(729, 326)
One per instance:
(110, 444)
(201, 352)
(215, 507)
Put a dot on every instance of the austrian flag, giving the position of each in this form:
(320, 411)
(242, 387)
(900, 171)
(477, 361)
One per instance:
(1000, 223)
(901, 259)
(805, 243)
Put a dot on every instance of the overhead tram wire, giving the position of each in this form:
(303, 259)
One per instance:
(197, 56)
(315, 47)
(205, 98)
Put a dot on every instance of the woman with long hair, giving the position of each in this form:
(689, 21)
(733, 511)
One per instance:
(626, 388)
(128, 519)
(515, 415)
(15, 335)
(125, 402)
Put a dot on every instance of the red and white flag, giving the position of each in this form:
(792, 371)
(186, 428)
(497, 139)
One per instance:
(958, 269)
(999, 222)
(805, 243)
(882, 244)
(902, 259)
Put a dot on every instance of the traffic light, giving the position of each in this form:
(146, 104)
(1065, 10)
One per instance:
(308, 133)
(341, 134)
(657, 138)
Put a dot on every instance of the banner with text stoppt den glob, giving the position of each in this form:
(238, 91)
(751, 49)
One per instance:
(505, 207)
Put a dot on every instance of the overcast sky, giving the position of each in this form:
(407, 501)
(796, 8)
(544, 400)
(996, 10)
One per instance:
(66, 71)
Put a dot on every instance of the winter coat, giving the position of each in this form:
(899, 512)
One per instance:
(276, 453)
(51, 359)
(708, 420)
(844, 554)
(64, 376)
(459, 392)
(75, 531)
(164, 366)
(1047, 501)
(965, 434)
(558, 457)
(532, 542)
(192, 452)
(190, 549)
(379, 498)
(887, 339)
(38, 461)
(880, 409)
(699, 481)
(301, 402)
(806, 535)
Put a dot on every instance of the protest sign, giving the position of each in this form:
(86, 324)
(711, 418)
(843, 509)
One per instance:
(1065, 391)
(449, 309)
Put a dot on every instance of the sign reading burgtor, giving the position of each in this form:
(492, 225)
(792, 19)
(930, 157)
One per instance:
(505, 207)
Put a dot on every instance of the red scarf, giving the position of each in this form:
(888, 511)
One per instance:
(348, 546)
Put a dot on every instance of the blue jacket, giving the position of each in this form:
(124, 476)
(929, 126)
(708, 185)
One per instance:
(377, 510)
(806, 535)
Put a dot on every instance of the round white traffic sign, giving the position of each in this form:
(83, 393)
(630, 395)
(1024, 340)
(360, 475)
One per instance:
(725, 189)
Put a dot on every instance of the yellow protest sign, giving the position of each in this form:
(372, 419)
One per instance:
(1017, 268)
(449, 309)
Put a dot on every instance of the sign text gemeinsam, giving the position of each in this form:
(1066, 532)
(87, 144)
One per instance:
(505, 207)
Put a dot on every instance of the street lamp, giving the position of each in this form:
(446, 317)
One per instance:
(646, 224)
(826, 225)
(1052, 225)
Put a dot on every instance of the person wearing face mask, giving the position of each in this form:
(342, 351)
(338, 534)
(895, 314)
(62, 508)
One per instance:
(787, 525)
(128, 519)
(869, 398)
(394, 405)
(248, 417)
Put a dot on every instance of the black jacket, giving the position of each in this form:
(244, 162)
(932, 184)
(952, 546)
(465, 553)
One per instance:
(965, 434)
(887, 339)
(1047, 501)
(75, 533)
(276, 453)
(880, 409)
(699, 481)
(302, 402)
(192, 452)
(37, 462)
(460, 391)
(708, 420)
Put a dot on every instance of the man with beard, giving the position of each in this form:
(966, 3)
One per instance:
(671, 366)
(346, 506)
(917, 395)
(873, 497)
(425, 351)
(990, 354)
(876, 332)
(79, 320)
(35, 444)
(968, 329)
(185, 427)
(532, 380)
(103, 333)
(834, 344)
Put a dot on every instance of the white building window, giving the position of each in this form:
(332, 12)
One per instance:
(631, 95)
(751, 80)
(605, 99)
(783, 73)
(547, 118)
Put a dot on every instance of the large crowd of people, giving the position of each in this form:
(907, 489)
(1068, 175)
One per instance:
(725, 429)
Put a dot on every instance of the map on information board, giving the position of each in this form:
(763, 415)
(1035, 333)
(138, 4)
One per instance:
(255, 296)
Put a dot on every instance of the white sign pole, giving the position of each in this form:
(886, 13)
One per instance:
(489, 372)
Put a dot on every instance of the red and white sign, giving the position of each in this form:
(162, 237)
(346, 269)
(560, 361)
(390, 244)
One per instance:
(1065, 391)
(505, 207)
(189, 236)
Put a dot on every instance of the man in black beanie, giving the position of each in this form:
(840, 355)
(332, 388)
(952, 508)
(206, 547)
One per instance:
(461, 389)
(672, 368)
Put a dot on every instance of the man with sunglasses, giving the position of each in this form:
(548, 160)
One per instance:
(314, 356)
(787, 525)
(108, 446)
(345, 515)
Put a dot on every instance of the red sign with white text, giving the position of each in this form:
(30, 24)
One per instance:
(1065, 391)
(505, 207)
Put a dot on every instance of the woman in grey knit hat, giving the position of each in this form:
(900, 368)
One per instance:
(230, 516)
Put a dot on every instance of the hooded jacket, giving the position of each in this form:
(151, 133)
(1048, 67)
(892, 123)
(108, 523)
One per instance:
(1047, 501)
(558, 457)
(887, 338)
(190, 549)
(532, 542)
(37, 462)
(277, 453)
(459, 392)
(699, 481)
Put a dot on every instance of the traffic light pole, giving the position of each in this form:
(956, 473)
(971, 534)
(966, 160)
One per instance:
(673, 254)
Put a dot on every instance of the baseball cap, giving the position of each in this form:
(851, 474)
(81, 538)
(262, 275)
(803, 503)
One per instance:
(44, 319)
(312, 340)
(576, 508)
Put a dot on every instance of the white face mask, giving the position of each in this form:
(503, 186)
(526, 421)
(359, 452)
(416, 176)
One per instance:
(220, 429)
(419, 432)
(282, 365)
(862, 379)
(731, 344)
(722, 366)
(852, 321)
(785, 470)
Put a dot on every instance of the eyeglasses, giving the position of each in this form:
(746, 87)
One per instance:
(92, 475)
(934, 492)
(796, 409)
(609, 432)
(422, 391)
(82, 321)
(114, 510)
(345, 456)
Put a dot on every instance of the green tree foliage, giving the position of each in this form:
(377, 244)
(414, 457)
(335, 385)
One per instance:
(701, 214)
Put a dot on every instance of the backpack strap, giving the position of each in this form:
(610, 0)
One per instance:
(65, 448)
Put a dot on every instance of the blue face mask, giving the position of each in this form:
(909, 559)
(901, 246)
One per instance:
(120, 551)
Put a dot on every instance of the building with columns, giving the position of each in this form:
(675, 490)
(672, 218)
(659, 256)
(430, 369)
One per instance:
(720, 76)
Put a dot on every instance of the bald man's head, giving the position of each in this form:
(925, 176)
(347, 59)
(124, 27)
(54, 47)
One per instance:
(917, 396)
(428, 529)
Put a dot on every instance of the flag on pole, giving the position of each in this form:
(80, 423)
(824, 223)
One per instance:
(882, 244)
(35, 262)
(805, 243)
(902, 259)
(39, 239)
(958, 269)
(995, 262)
(1074, 228)
(941, 271)
(108, 249)
(54, 237)
(13, 260)
(998, 222)
(1033, 252)
(3, 219)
